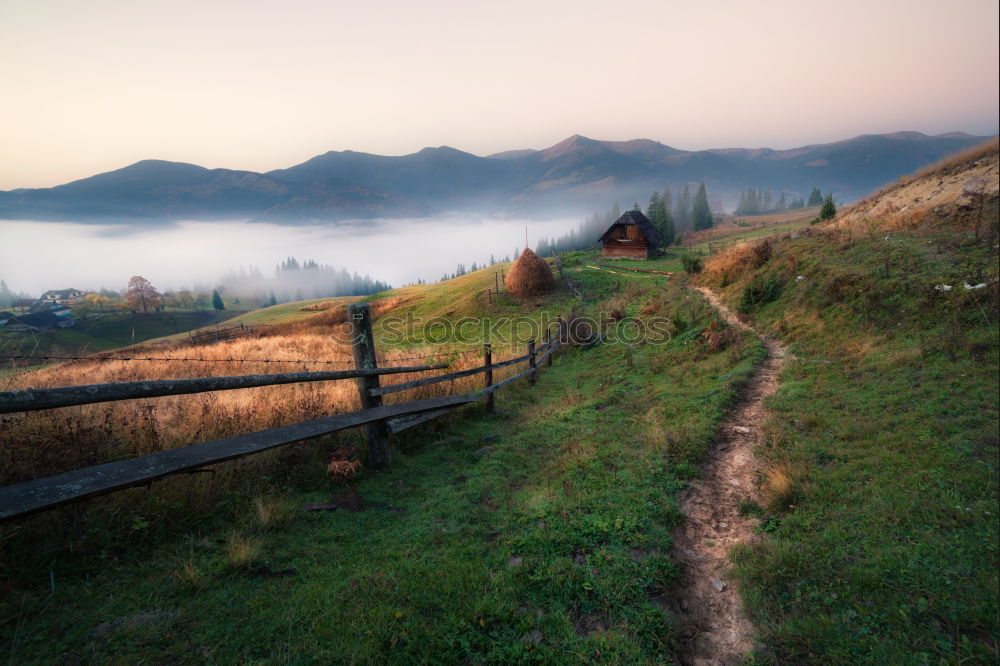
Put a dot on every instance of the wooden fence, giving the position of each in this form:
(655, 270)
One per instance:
(379, 420)
(219, 334)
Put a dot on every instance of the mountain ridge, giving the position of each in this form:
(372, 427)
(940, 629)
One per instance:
(574, 175)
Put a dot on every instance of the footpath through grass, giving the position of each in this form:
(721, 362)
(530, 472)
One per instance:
(539, 534)
(881, 450)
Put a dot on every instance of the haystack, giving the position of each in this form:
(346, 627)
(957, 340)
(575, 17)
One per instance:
(529, 276)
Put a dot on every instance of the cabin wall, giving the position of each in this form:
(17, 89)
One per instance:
(628, 250)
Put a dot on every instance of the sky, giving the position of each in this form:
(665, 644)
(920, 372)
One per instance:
(259, 85)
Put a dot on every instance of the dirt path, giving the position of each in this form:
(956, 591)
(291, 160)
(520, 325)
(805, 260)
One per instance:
(714, 628)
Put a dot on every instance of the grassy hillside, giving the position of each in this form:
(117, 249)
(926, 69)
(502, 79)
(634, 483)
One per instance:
(545, 528)
(881, 545)
(105, 332)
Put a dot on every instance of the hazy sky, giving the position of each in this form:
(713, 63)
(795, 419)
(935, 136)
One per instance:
(248, 84)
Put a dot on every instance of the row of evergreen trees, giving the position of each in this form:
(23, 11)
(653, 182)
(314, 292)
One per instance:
(670, 217)
(756, 202)
(473, 267)
(297, 281)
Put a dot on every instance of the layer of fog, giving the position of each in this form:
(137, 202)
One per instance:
(38, 256)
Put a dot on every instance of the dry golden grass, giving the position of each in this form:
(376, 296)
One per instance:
(781, 487)
(241, 551)
(37, 444)
(909, 202)
(727, 265)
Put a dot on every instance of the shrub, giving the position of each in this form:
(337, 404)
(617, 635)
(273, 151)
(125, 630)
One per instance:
(691, 263)
(758, 292)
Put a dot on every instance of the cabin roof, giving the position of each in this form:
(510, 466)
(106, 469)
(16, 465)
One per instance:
(638, 219)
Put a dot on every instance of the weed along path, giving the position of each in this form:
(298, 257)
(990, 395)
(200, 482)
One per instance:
(716, 630)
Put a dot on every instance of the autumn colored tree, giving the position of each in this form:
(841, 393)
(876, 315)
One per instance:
(142, 294)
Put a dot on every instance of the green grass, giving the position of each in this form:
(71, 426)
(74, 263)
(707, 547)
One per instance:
(753, 234)
(889, 419)
(552, 545)
(107, 332)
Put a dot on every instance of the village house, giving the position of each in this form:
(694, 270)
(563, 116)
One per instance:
(65, 296)
(631, 236)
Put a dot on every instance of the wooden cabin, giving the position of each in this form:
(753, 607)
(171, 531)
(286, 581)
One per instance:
(632, 236)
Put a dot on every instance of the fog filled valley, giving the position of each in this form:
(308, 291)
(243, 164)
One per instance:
(247, 256)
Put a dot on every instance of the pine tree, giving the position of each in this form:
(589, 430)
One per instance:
(217, 300)
(829, 209)
(659, 215)
(669, 231)
(815, 197)
(682, 210)
(701, 216)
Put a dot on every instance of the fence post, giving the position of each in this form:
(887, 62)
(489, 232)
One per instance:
(548, 339)
(496, 282)
(363, 345)
(488, 361)
(533, 377)
(489, 295)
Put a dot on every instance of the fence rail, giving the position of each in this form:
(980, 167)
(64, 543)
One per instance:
(28, 400)
(379, 420)
(27, 498)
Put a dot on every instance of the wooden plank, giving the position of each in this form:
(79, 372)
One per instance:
(547, 355)
(28, 400)
(396, 388)
(486, 391)
(427, 381)
(26, 498)
(405, 422)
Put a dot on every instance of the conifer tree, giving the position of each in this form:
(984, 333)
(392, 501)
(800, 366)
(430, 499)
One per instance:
(815, 197)
(829, 209)
(701, 215)
(217, 300)
(682, 210)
